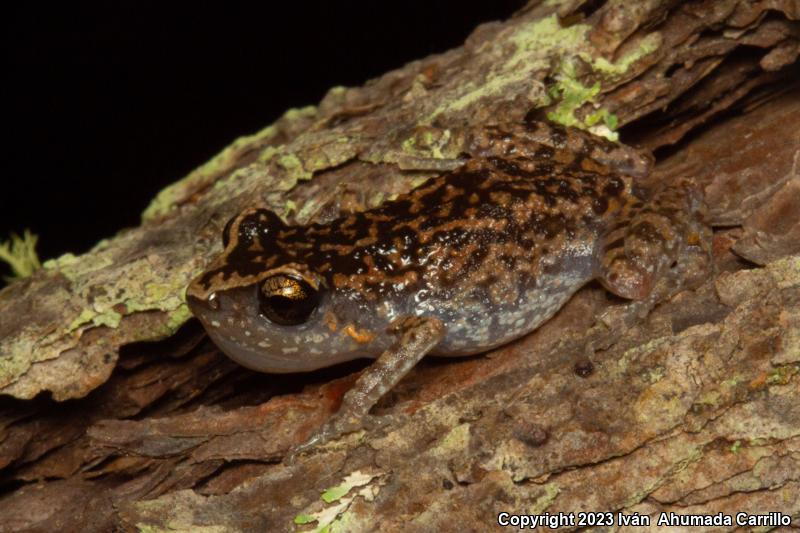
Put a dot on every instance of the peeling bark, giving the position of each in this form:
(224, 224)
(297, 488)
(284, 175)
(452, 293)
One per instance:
(694, 408)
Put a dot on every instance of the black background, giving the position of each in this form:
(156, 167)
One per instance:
(105, 105)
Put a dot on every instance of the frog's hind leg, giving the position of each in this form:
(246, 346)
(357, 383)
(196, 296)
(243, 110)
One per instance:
(559, 147)
(653, 239)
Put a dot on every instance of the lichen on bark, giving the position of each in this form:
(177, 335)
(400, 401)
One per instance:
(690, 409)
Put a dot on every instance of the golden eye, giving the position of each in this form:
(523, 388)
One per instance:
(287, 300)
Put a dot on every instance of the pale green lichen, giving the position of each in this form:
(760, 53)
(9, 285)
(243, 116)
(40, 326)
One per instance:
(20, 254)
(131, 291)
(535, 45)
(733, 381)
(709, 398)
(571, 96)
(551, 491)
(302, 165)
(334, 517)
(333, 494)
(429, 143)
(109, 311)
(267, 154)
(337, 90)
(176, 192)
(781, 375)
(296, 114)
(356, 479)
(70, 265)
(685, 455)
(456, 439)
(785, 272)
(182, 528)
(648, 44)
(109, 318)
(178, 511)
(543, 38)
(304, 519)
(169, 196)
(290, 163)
(655, 374)
(177, 317)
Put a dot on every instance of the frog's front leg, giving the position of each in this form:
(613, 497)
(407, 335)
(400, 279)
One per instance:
(416, 337)
(665, 237)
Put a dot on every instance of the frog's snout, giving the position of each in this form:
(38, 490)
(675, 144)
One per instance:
(203, 308)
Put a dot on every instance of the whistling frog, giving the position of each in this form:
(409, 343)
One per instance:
(467, 261)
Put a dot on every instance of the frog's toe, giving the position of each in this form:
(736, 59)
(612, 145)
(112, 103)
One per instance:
(374, 422)
(334, 428)
(627, 279)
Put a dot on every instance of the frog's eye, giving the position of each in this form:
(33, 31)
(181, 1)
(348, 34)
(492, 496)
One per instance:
(287, 300)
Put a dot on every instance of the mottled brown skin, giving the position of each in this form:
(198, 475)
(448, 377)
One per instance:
(465, 262)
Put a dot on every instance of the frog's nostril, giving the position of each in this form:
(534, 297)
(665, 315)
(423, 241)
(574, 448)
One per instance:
(200, 305)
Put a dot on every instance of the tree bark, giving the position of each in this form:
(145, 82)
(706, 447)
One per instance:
(693, 409)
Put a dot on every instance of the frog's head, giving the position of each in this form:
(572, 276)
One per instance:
(262, 305)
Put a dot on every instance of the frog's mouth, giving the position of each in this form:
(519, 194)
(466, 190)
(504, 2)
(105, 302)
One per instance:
(261, 360)
(246, 337)
(274, 360)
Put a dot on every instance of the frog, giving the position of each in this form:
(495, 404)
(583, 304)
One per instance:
(468, 261)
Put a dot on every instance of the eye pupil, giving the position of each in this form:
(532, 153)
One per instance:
(289, 310)
(287, 301)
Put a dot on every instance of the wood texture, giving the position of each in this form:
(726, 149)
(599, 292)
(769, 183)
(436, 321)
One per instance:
(694, 408)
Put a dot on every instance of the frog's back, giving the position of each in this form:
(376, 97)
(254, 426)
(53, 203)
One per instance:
(492, 249)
